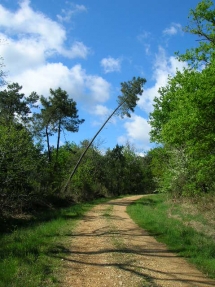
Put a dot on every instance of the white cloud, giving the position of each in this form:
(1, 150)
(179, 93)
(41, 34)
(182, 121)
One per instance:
(81, 86)
(78, 50)
(27, 50)
(138, 129)
(25, 53)
(30, 28)
(66, 14)
(100, 88)
(101, 110)
(26, 23)
(137, 132)
(163, 67)
(111, 65)
(174, 29)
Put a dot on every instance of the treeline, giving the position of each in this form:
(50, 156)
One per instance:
(33, 171)
(183, 120)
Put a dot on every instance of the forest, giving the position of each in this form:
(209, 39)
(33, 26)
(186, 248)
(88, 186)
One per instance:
(35, 174)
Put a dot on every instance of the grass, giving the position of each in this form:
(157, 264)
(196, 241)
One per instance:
(30, 251)
(169, 223)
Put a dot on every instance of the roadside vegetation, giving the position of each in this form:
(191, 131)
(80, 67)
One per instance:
(184, 226)
(31, 252)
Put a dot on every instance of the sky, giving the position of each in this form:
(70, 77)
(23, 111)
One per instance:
(88, 48)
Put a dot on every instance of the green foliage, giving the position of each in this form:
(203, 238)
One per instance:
(59, 112)
(115, 164)
(202, 24)
(183, 119)
(131, 90)
(19, 164)
(32, 177)
(156, 163)
(183, 116)
(125, 172)
(15, 106)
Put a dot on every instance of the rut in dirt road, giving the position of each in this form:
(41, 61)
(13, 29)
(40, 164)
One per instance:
(109, 249)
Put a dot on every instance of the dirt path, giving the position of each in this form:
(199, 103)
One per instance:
(109, 249)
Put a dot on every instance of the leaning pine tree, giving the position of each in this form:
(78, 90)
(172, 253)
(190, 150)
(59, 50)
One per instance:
(131, 91)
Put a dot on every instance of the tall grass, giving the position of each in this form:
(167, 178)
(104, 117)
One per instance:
(29, 255)
(152, 214)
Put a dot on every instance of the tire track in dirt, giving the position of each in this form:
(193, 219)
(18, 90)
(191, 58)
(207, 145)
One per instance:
(109, 249)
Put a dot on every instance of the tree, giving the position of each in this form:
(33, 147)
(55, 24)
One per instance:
(134, 180)
(183, 117)
(3, 74)
(20, 164)
(15, 106)
(115, 167)
(59, 112)
(202, 24)
(131, 91)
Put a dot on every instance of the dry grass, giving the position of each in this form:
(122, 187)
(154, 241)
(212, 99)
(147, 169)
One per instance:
(198, 213)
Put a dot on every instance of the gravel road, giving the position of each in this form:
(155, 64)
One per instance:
(109, 249)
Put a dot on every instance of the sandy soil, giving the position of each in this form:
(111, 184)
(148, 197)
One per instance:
(109, 249)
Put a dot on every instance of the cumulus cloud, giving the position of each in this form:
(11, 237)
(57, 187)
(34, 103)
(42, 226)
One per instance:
(80, 85)
(163, 67)
(30, 30)
(28, 49)
(110, 65)
(174, 29)
(26, 23)
(137, 131)
(26, 53)
(101, 110)
(99, 87)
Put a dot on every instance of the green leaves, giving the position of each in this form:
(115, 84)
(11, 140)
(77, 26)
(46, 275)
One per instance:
(19, 162)
(58, 112)
(15, 106)
(131, 91)
(202, 24)
(183, 119)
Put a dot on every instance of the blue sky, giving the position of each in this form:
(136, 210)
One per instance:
(88, 48)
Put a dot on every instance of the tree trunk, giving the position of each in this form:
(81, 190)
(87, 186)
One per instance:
(47, 139)
(90, 143)
(58, 140)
